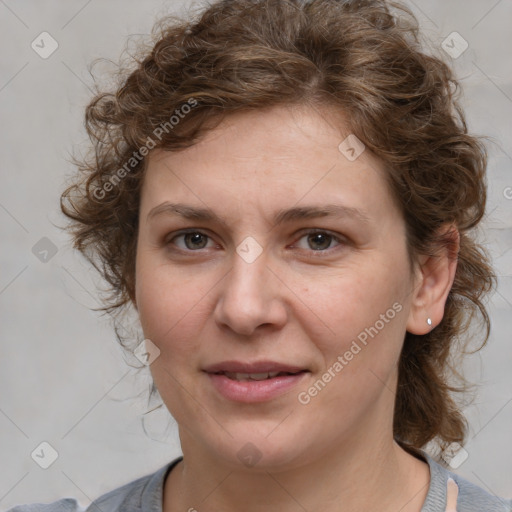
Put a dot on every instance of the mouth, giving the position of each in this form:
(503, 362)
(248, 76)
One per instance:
(256, 376)
(254, 382)
(256, 370)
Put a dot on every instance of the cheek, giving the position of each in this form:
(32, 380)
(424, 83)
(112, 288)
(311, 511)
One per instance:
(355, 300)
(366, 315)
(170, 310)
(360, 360)
(169, 307)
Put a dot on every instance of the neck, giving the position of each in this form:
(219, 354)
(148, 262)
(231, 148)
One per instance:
(357, 476)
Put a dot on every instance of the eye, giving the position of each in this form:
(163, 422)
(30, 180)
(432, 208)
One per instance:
(318, 241)
(191, 240)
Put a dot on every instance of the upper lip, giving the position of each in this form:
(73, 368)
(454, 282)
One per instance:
(254, 367)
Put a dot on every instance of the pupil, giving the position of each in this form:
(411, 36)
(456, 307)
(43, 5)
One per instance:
(321, 239)
(195, 240)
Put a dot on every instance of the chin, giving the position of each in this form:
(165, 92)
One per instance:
(261, 450)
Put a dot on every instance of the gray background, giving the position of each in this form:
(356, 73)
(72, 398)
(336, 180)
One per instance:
(63, 378)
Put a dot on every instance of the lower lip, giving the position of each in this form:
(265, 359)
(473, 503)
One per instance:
(254, 391)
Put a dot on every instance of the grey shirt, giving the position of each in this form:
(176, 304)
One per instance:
(145, 495)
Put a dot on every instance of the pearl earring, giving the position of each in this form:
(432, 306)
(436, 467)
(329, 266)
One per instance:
(429, 321)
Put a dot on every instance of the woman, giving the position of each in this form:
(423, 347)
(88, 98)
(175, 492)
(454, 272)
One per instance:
(285, 192)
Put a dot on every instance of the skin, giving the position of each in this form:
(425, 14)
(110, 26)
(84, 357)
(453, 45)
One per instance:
(201, 303)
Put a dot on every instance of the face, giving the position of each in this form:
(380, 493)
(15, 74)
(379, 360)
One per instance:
(267, 248)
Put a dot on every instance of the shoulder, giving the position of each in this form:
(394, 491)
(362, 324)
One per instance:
(141, 495)
(64, 505)
(471, 498)
(474, 498)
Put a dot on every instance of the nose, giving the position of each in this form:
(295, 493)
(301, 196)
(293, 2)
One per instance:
(250, 298)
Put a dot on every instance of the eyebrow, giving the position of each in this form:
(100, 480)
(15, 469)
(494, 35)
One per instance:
(281, 217)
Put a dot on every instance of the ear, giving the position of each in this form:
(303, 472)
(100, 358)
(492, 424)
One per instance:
(434, 279)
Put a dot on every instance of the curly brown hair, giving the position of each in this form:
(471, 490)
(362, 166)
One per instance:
(366, 58)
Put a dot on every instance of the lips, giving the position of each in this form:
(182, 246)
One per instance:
(252, 369)
(254, 382)
(253, 376)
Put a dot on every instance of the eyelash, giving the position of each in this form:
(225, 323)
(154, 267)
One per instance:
(316, 253)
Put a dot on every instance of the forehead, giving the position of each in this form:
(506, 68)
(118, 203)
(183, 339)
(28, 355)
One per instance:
(284, 155)
(287, 132)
